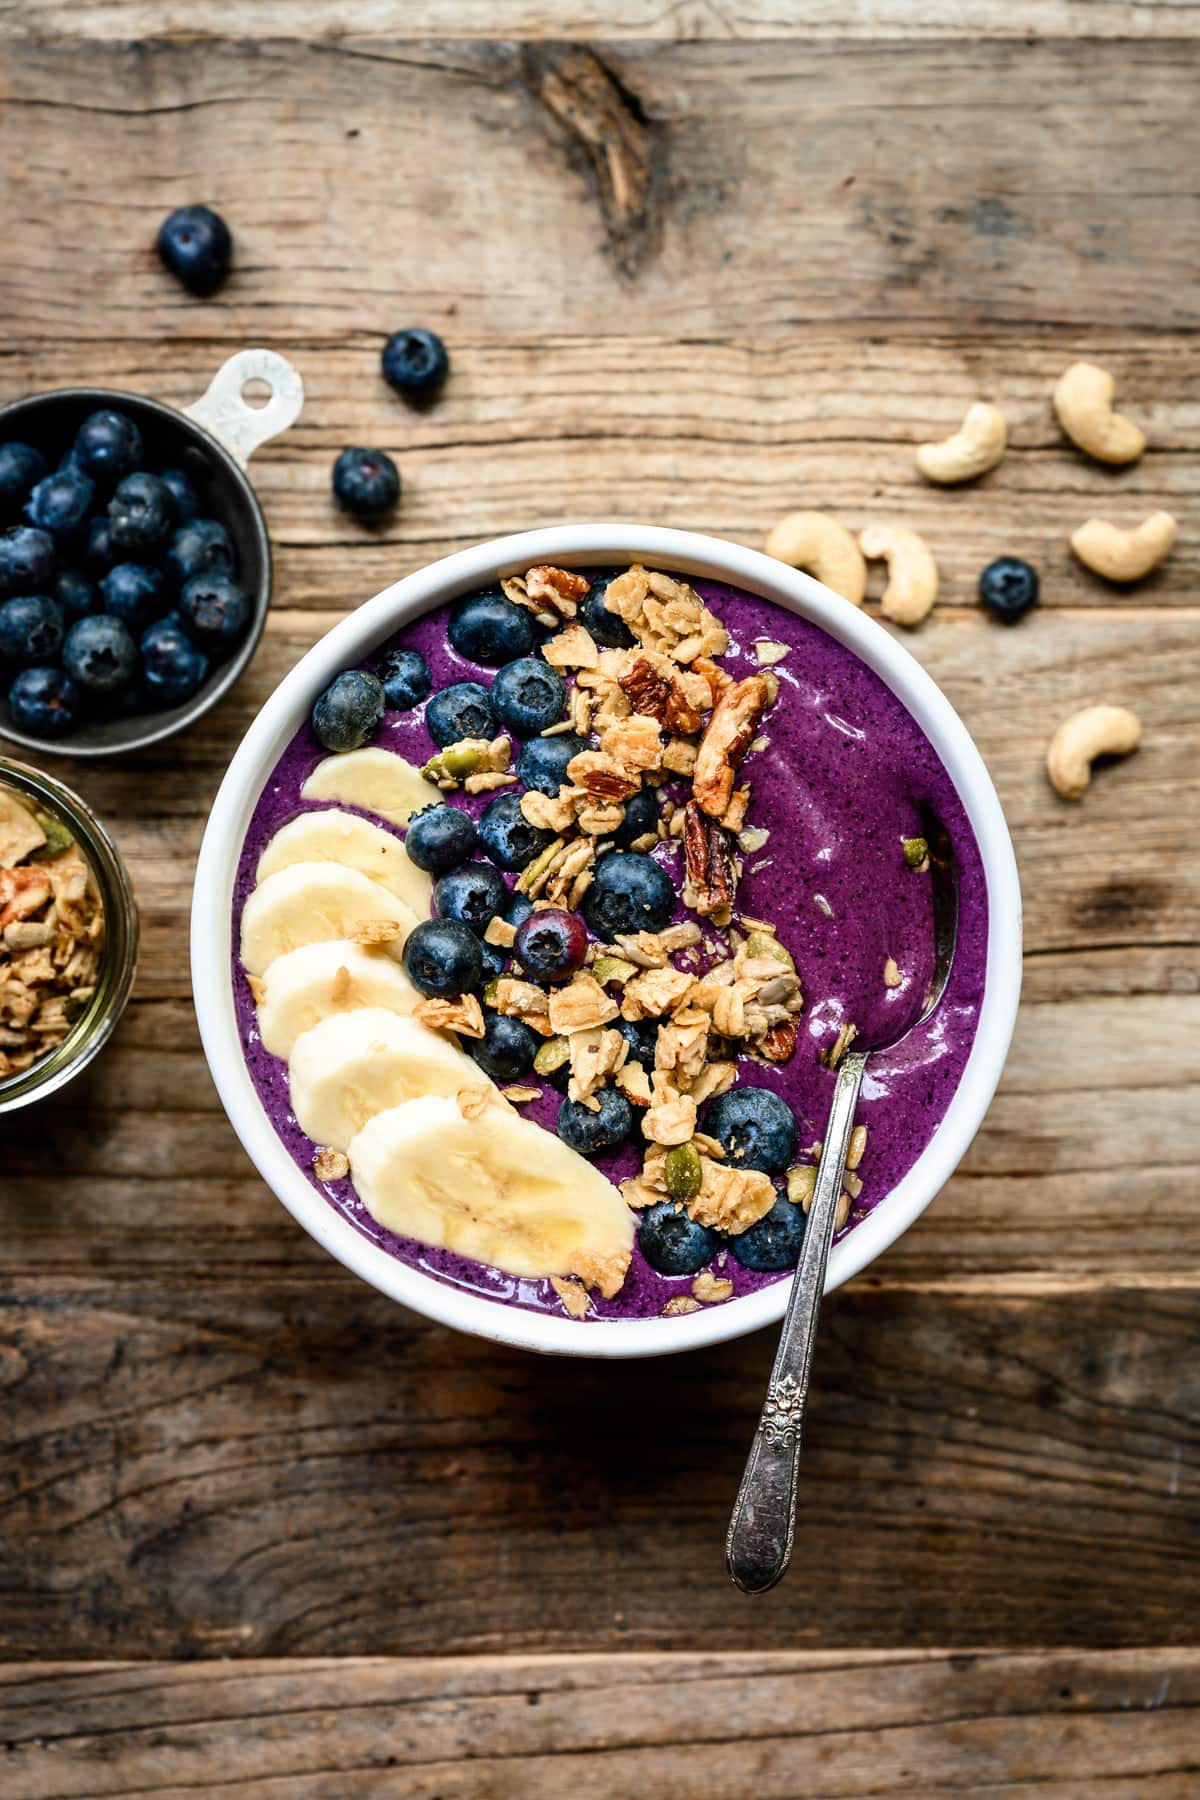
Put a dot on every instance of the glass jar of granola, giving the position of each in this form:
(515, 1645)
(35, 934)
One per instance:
(68, 935)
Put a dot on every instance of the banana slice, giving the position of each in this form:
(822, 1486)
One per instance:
(377, 780)
(310, 902)
(356, 1064)
(309, 984)
(497, 1188)
(342, 837)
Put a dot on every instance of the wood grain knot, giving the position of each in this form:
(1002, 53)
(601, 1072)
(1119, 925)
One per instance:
(607, 134)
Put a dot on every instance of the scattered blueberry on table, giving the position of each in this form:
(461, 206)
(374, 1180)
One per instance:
(125, 549)
(366, 483)
(415, 363)
(195, 244)
(1008, 588)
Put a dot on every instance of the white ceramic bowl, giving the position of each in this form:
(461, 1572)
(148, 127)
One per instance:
(348, 643)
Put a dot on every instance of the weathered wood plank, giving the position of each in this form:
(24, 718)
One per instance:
(1056, 1724)
(1119, 869)
(313, 1472)
(795, 182)
(607, 20)
(720, 437)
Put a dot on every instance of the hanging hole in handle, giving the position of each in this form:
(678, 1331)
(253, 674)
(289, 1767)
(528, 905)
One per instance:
(257, 393)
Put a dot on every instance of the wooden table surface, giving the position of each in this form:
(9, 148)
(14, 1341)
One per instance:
(264, 1534)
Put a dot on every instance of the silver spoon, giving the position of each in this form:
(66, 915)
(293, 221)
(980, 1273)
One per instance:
(758, 1545)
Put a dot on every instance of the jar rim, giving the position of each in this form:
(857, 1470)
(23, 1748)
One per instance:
(94, 1026)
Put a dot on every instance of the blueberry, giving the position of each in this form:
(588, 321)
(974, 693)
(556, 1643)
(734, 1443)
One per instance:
(76, 595)
(642, 1037)
(100, 654)
(415, 363)
(442, 958)
(173, 666)
(674, 1244)
(755, 1127)
(507, 836)
(439, 838)
(133, 593)
(95, 555)
(607, 628)
(507, 1048)
(186, 503)
(44, 702)
(518, 909)
(528, 695)
(201, 547)
(488, 628)
(641, 816)
(406, 679)
(494, 959)
(107, 446)
(461, 711)
(774, 1242)
(347, 713)
(59, 503)
(139, 514)
(26, 561)
(473, 894)
(543, 761)
(31, 629)
(551, 944)
(629, 893)
(20, 467)
(366, 482)
(194, 244)
(1008, 587)
(588, 1131)
(215, 611)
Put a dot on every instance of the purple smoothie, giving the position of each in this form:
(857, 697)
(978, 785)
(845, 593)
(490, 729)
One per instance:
(841, 780)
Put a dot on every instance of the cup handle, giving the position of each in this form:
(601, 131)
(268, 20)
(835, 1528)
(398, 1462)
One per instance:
(235, 425)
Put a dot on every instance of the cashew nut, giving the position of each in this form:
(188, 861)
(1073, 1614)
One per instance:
(912, 573)
(1083, 400)
(1079, 740)
(977, 446)
(1124, 555)
(818, 544)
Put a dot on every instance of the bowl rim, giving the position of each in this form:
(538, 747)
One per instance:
(164, 724)
(356, 636)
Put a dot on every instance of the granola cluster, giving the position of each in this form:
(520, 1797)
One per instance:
(51, 933)
(659, 713)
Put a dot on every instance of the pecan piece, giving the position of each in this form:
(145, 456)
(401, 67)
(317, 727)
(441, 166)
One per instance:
(709, 862)
(562, 588)
(730, 732)
(779, 1042)
(602, 775)
(654, 690)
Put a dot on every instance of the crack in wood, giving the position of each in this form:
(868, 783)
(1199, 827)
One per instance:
(608, 135)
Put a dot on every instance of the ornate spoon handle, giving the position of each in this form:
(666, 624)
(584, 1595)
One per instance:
(758, 1545)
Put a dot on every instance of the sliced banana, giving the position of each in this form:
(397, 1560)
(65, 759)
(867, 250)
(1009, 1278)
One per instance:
(377, 780)
(309, 984)
(497, 1188)
(344, 837)
(312, 901)
(356, 1064)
